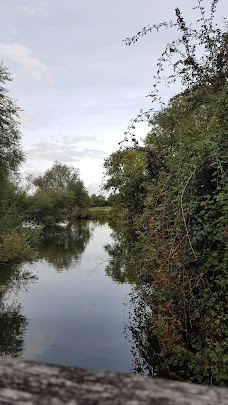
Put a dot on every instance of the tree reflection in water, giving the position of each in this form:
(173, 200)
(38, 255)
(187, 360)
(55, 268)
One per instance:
(12, 322)
(147, 356)
(63, 245)
(122, 266)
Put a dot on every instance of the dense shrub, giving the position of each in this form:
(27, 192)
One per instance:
(174, 204)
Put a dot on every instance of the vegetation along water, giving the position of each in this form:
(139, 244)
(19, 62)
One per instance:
(167, 256)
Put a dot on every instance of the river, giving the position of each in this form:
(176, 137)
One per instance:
(65, 308)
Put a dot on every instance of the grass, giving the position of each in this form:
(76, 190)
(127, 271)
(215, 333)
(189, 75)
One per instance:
(101, 213)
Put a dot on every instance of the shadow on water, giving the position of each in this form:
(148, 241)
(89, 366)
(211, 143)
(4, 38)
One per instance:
(63, 245)
(12, 321)
(122, 267)
(148, 356)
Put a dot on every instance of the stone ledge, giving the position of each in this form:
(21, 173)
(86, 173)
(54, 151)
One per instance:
(28, 383)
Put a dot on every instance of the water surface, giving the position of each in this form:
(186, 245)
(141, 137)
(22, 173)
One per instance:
(72, 311)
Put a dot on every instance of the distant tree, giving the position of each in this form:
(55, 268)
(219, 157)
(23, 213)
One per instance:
(98, 200)
(59, 177)
(60, 194)
(126, 175)
(112, 199)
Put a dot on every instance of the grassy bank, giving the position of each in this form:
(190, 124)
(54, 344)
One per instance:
(100, 213)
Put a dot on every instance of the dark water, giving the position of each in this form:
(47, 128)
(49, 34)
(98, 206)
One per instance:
(67, 307)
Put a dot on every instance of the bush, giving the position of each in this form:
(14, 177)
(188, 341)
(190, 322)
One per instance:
(17, 247)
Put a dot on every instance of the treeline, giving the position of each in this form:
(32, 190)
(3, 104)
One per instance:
(56, 196)
(172, 205)
(59, 195)
(15, 242)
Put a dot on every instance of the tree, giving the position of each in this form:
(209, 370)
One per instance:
(112, 199)
(98, 200)
(198, 57)
(11, 155)
(126, 175)
(59, 177)
(181, 227)
(60, 195)
(15, 242)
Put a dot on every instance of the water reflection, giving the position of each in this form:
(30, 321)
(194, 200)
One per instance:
(122, 264)
(73, 317)
(12, 321)
(63, 245)
(147, 358)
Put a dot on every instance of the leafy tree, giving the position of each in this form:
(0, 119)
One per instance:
(182, 220)
(59, 177)
(15, 243)
(60, 194)
(11, 155)
(49, 207)
(112, 199)
(98, 200)
(126, 176)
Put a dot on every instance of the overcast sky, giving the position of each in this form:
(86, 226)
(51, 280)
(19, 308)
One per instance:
(76, 81)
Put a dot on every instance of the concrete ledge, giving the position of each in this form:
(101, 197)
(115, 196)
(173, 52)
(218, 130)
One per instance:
(27, 383)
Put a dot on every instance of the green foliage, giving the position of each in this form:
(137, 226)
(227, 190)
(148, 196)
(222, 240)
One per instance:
(102, 214)
(16, 247)
(174, 197)
(49, 207)
(112, 200)
(126, 177)
(15, 243)
(60, 195)
(98, 200)
(59, 177)
(10, 151)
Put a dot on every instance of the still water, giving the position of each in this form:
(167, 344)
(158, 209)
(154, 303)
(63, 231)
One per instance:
(66, 307)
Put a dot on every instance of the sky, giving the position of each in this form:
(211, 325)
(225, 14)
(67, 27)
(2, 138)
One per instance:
(76, 81)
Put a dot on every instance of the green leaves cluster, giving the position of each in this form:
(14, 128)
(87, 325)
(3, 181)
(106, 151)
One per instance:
(60, 195)
(15, 242)
(174, 200)
(11, 154)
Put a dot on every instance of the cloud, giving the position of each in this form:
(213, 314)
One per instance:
(23, 56)
(73, 140)
(33, 120)
(65, 150)
(42, 8)
(95, 188)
